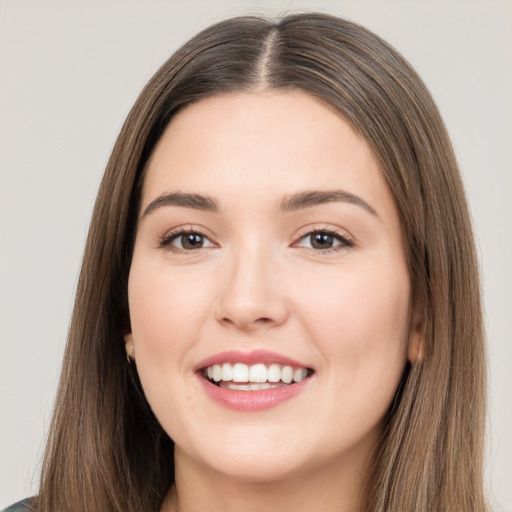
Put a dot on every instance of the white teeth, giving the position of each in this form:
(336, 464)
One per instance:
(287, 374)
(227, 372)
(258, 373)
(274, 373)
(217, 372)
(247, 387)
(263, 385)
(300, 374)
(240, 387)
(251, 377)
(240, 372)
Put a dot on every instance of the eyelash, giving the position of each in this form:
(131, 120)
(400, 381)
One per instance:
(345, 242)
(166, 240)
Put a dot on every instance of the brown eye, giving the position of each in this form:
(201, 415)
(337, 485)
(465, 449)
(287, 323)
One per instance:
(324, 241)
(321, 240)
(191, 241)
(187, 241)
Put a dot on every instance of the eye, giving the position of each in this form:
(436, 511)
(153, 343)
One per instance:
(324, 240)
(186, 241)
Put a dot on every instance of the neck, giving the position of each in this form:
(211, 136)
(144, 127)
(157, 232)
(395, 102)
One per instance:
(335, 487)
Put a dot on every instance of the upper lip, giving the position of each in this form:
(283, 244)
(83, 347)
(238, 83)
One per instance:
(248, 358)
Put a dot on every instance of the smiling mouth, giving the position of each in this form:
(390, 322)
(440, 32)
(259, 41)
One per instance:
(243, 377)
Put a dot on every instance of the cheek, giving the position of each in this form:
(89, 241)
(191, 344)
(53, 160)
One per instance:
(166, 314)
(360, 321)
(166, 309)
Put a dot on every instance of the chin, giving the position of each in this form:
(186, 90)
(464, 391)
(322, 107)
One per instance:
(262, 469)
(252, 457)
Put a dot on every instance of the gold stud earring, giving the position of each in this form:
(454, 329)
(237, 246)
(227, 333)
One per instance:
(128, 354)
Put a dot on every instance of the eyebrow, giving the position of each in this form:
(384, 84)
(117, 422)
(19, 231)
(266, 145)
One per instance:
(318, 197)
(196, 201)
(293, 202)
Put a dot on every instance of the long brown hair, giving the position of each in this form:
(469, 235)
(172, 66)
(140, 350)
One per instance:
(107, 452)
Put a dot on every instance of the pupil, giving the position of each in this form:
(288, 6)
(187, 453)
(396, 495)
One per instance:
(192, 241)
(321, 241)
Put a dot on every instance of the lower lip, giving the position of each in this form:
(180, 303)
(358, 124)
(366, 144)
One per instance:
(257, 400)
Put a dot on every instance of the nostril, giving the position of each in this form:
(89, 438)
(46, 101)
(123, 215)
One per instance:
(246, 323)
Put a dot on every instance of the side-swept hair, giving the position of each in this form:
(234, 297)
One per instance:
(107, 452)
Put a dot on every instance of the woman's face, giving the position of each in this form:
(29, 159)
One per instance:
(268, 249)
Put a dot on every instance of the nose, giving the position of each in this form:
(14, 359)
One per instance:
(251, 296)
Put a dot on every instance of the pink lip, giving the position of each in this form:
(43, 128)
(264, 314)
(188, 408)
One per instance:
(248, 401)
(249, 358)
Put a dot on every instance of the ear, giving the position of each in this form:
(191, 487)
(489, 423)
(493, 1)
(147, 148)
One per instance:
(416, 351)
(129, 346)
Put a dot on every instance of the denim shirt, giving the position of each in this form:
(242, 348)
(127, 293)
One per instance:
(21, 506)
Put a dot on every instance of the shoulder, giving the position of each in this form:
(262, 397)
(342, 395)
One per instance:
(21, 506)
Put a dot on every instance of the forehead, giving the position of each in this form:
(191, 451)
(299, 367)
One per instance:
(259, 145)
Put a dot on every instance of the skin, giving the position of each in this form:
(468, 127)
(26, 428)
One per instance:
(259, 284)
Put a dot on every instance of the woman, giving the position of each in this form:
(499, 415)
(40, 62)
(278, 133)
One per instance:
(279, 301)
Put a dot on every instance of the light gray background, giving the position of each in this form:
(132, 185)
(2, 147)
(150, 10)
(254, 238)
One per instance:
(69, 72)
